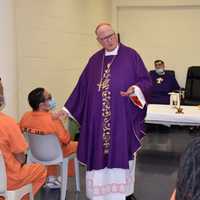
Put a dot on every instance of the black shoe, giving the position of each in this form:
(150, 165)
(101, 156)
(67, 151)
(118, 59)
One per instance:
(131, 197)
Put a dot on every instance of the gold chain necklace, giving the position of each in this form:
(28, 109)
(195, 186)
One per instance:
(99, 85)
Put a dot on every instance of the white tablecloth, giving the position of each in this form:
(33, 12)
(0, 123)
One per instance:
(164, 114)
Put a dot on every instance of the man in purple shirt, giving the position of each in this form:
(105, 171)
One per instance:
(163, 83)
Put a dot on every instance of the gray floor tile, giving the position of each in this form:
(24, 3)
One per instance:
(156, 169)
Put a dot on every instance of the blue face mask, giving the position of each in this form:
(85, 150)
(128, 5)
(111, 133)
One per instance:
(52, 104)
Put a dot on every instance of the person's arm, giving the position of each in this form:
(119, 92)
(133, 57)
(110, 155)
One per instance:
(129, 91)
(142, 87)
(17, 142)
(144, 81)
(61, 132)
(136, 95)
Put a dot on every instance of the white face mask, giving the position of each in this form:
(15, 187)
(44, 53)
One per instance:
(52, 104)
(160, 71)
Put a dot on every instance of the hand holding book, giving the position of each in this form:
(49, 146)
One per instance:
(130, 90)
(136, 96)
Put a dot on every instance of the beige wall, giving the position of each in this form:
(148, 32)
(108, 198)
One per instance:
(8, 55)
(167, 30)
(54, 40)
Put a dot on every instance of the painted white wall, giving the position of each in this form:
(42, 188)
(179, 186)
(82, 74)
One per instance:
(54, 42)
(159, 29)
(8, 55)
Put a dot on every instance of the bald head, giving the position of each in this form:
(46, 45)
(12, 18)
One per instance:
(100, 25)
(106, 36)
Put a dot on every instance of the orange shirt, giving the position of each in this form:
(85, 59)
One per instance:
(12, 142)
(43, 123)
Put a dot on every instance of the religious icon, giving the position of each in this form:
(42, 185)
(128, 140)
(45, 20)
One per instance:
(159, 80)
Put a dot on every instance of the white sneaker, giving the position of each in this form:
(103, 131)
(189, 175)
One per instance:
(52, 182)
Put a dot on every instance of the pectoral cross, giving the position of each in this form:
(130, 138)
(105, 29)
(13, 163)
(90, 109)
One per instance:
(159, 80)
(108, 65)
(99, 86)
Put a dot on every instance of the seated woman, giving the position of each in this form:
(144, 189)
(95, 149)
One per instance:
(163, 83)
(188, 181)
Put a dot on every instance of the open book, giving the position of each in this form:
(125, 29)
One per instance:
(138, 98)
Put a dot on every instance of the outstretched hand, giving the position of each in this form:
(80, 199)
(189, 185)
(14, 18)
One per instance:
(129, 91)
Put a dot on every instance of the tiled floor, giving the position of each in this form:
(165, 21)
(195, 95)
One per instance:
(156, 168)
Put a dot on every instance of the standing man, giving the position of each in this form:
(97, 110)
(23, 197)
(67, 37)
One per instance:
(111, 126)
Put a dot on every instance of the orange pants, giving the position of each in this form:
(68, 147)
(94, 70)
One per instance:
(67, 150)
(31, 173)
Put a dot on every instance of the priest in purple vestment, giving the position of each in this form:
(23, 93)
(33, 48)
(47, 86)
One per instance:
(164, 82)
(111, 125)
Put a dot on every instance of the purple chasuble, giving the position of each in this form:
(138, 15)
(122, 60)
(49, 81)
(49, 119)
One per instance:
(115, 117)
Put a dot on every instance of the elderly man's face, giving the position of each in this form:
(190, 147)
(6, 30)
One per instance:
(107, 37)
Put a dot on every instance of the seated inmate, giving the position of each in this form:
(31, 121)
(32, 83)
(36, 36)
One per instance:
(13, 146)
(40, 121)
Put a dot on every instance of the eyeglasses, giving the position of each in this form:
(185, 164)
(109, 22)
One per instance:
(107, 37)
(49, 97)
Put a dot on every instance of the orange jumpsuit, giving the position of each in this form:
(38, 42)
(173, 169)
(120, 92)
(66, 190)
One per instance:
(43, 123)
(12, 142)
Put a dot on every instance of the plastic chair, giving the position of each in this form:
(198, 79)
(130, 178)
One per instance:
(46, 149)
(12, 194)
